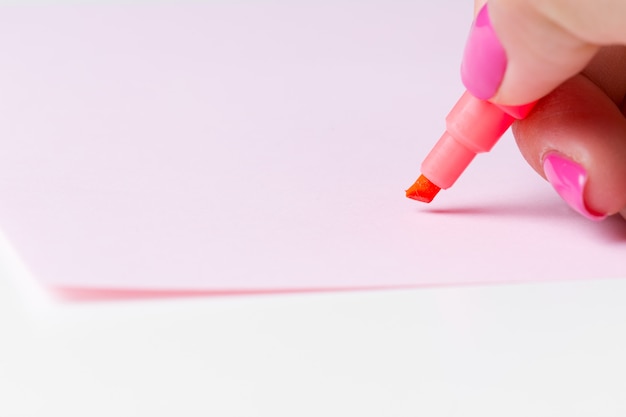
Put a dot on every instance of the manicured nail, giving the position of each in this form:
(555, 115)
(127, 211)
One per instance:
(569, 179)
(484, 59)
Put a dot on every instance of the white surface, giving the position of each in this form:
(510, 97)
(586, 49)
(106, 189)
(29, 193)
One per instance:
(510, 350)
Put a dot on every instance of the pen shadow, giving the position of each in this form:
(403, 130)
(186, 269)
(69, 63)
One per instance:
(611, 229)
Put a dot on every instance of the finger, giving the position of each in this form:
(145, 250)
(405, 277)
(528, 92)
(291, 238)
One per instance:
(578, 125)
(478, 4)
(520, 50)
(608, 71)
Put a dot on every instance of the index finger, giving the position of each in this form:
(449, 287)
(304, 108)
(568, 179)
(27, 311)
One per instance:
(543, 42)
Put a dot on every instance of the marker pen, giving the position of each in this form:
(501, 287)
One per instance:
(473, 126)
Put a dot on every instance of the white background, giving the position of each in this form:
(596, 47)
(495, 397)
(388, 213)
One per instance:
(552, 349)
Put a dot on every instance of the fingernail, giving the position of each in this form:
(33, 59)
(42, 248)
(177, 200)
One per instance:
(569, 179)
(484, 59)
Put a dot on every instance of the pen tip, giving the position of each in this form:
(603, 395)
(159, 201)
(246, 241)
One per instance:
(422, 190)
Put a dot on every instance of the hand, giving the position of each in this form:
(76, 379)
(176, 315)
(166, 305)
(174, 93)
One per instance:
(571, 54)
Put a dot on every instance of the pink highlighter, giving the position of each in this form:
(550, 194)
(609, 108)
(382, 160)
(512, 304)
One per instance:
(473, 126)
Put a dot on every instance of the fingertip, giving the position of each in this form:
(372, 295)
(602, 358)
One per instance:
(515, 54)
(569, 179)
(575, 138)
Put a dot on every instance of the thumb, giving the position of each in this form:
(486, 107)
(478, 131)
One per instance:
(519, 50)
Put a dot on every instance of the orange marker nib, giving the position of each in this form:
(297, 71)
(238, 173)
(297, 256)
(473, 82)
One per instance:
(422, 190)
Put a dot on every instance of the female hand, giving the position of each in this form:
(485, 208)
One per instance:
(571, 54)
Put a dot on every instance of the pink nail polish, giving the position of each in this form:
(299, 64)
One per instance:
(484, 59)
(569, 179)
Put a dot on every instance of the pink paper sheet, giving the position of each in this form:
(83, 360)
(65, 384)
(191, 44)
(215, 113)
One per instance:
(256, 146)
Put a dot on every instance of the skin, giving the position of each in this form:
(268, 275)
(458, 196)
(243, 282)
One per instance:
(571, 54)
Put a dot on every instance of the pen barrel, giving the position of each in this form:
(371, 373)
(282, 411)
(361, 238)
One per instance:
(473, 126)
(446, 161)
(477, 124)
